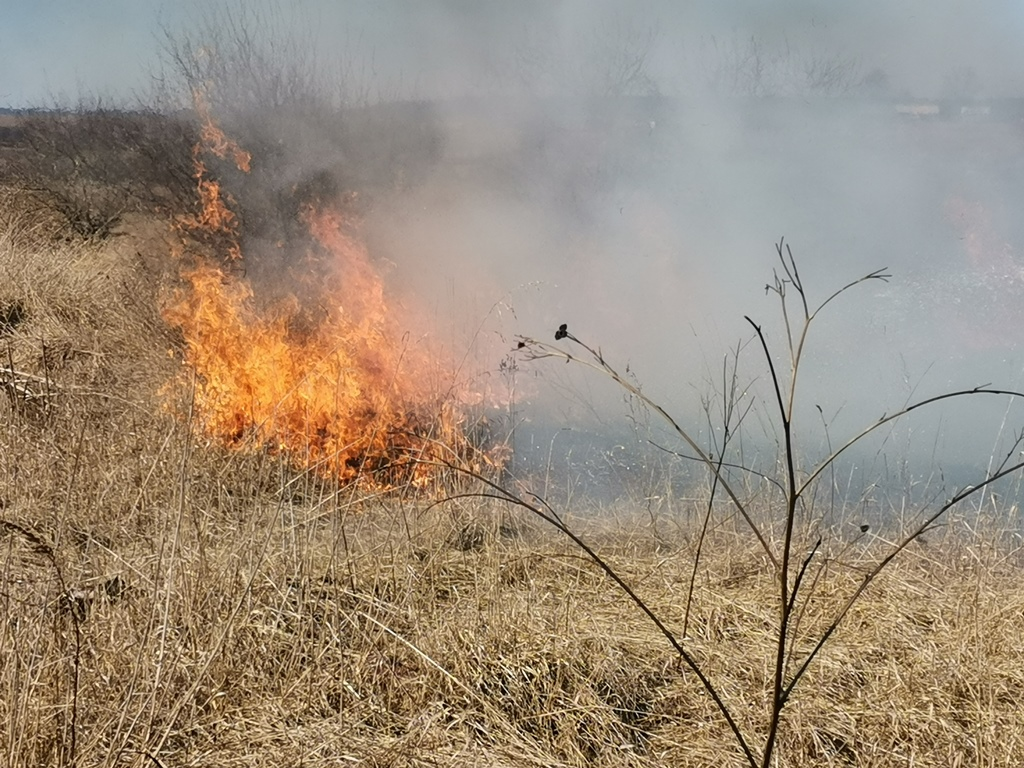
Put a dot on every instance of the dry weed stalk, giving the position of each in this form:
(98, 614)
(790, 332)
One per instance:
(790, 566)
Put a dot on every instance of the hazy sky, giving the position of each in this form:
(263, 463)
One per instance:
(63, 47)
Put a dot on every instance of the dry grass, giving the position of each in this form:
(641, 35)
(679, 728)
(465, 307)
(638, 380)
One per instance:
(168, 604)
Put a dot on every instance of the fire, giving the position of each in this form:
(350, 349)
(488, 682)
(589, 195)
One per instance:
(212, 138)
(215, 216)
(345, 393)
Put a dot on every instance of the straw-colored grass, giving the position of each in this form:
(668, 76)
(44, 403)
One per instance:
(165, 603)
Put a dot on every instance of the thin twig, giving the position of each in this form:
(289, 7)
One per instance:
(499, 492)
(538, 350)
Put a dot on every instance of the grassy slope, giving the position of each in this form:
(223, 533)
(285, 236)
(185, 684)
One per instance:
(268, 618)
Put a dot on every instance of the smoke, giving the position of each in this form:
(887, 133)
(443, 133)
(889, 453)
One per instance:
(628, 169)
(645, 213)
(447, 47)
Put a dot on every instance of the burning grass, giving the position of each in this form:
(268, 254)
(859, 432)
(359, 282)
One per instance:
(331, 380)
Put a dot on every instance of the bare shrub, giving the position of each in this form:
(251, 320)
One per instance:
(93, 163)
(754, 67)
(798, 550)
(607, 60)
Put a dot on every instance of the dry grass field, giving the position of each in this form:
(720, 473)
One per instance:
(167, 601)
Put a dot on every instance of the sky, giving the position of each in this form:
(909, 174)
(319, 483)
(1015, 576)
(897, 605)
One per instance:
(52, 49)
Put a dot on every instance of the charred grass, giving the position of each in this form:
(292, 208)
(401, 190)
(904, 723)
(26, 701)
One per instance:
(165, 602)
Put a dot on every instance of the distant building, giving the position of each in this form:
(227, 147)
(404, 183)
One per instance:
(918, 110)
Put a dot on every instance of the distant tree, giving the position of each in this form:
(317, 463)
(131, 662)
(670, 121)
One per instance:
(828, 75)
(609, 58)
(615, 62)
(753, 67)
(94, 161)
(244, 58)
(961, 83)
(309, 115)
(875, 83)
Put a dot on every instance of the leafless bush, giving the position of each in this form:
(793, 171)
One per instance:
(93, 163)
(797, 549)
(608, 59)
(754, 67)
(245, 59)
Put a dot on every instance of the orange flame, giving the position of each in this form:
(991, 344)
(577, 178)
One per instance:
(344, 395)
(215, 217)
(213, 138)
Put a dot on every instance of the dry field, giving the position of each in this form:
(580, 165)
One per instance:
(168, 602)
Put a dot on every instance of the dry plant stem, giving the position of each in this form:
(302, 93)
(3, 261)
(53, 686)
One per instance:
(725, 465)
(792, 497)
(801, 573)
(171, 558)
(792, 277)
(812, 588)
(539, 350)
(222, 636)
(979, 390)
(546, 513)
(793, 490)
(794, 493)
(122, 733)
(427, 658)
(729, 404)
(700, 549)
(156, 761)
(75, 619)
